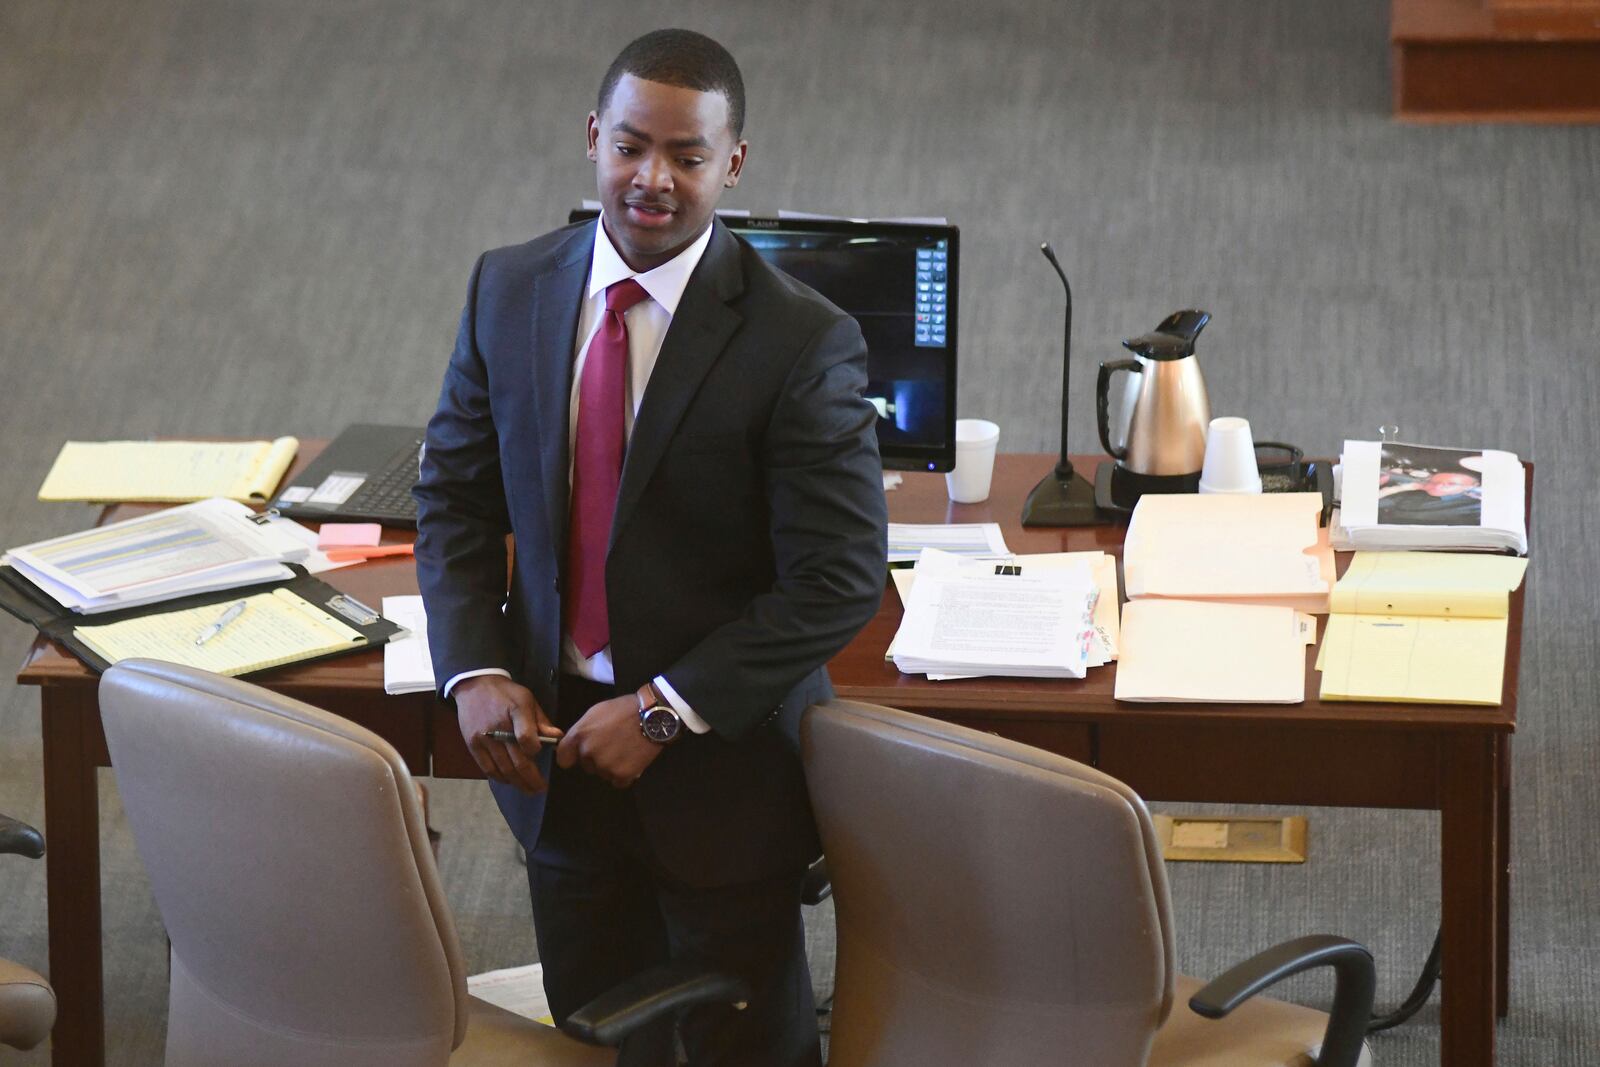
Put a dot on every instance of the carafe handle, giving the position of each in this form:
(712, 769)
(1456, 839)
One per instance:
(1102, 402)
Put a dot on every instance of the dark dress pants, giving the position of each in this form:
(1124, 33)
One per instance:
(604, 909)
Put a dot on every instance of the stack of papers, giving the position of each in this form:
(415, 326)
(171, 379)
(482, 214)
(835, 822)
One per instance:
(168, 472)
(1263, 548)
(908, 539)
(1218, 585)
(968, 618)
(407, 663)
(1400, 496)
(197, 548)
(1419, 627)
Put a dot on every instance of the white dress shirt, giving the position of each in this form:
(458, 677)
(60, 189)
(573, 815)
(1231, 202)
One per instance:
(647, 322)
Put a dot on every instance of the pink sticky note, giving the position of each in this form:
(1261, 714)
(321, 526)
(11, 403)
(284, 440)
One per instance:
(348, 533)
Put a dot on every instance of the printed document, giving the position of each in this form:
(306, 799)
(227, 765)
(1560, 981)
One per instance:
(194, 548)
(407, 662)
(1102, 568)
(908, 539)
(967, 620)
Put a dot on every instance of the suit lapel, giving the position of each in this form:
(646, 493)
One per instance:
(557, 300)
(699, 332)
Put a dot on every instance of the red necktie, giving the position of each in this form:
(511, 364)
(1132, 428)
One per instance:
(597, 470)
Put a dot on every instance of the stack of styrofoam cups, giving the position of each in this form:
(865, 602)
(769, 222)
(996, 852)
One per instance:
(969, 482)
(1230, 464)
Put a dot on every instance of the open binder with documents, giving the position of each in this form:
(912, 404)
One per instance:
(212, 544)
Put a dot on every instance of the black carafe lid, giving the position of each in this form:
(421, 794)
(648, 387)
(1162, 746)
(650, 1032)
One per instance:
(1173, 338)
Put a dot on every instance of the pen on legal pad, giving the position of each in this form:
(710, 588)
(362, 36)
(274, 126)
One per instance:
(216, 628)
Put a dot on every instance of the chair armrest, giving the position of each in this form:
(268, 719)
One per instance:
(816, 887)
(1354, 985)
(20, 838)
(666, 990)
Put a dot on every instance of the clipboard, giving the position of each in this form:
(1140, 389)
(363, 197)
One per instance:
(24, 600)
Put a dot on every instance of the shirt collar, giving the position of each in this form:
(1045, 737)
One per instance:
(665, 283)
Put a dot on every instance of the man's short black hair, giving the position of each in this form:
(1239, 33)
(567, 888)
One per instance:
(683, 58)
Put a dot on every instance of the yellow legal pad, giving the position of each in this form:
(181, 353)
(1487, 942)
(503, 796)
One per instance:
(1419, 627)
(168, 472)
(275, 628)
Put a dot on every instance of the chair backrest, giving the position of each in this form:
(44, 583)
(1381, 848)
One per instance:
(995, 903)
(288, 856)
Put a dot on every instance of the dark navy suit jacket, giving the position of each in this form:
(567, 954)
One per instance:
(747, 547)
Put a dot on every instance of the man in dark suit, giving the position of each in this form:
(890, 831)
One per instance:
(674, 435)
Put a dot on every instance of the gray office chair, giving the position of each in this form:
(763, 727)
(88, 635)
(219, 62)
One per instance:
(27, 1003)
(999, 904)
(288, 857)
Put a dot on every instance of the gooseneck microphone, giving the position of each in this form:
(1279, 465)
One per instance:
(1062, 498)
(1064, 467)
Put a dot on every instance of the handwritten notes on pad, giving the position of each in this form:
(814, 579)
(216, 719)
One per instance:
(168, 472)
(275, 628)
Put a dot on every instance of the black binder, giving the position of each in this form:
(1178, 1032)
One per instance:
(28, 602)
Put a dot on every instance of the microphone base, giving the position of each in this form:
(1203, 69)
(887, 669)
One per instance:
(1058, 501)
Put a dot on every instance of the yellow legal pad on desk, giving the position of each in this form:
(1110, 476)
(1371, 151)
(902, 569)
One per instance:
(275, 628)
(168, 472)
(1419, 627)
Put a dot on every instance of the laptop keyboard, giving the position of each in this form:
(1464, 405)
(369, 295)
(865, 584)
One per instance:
(389, 493)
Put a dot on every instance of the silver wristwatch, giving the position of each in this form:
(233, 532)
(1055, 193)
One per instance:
(657, 720)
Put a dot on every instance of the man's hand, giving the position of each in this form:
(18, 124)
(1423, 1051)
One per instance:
(487, 702)
(608, 743)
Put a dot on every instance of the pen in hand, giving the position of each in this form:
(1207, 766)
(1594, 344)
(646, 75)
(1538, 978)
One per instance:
(216, 628)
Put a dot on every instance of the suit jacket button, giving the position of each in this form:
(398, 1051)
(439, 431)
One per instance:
(552, 676)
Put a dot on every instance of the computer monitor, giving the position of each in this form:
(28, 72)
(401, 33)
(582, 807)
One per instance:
(899, 281)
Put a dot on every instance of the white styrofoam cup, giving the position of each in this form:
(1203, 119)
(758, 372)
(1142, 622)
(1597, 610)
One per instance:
(976, 440)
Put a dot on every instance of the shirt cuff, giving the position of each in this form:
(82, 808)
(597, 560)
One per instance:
(695, 723)
(451, 684)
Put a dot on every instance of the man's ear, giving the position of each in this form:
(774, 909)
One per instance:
(736, 164)
(594, 137)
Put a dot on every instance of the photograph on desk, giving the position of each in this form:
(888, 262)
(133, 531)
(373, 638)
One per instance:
(1420, 486)
(1408, 496)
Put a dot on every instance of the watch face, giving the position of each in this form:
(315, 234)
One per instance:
(659, 724)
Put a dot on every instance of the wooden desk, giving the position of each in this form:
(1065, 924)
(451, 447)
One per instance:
(1451, 759)
(421, 727)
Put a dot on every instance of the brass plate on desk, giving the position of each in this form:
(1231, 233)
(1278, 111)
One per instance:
(1233, 838)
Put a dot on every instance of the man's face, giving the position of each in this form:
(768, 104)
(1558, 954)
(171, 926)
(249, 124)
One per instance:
(1448, 483)
(662, 157)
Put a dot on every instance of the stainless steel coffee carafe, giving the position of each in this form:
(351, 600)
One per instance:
(1159, 436)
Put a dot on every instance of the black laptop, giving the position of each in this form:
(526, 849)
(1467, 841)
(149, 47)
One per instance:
(364, 475)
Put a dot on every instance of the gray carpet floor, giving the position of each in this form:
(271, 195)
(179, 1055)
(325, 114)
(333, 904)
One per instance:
(236, 217)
